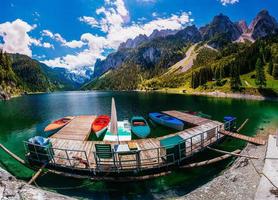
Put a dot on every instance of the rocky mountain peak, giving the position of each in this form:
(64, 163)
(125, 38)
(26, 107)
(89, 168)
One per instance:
(162, 33)
(262, 25)
(242, 26)
(190, 34)
(132, 43)
(221, 24)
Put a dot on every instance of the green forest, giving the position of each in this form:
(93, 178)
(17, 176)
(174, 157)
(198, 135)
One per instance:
(20, 74)
(235, 67)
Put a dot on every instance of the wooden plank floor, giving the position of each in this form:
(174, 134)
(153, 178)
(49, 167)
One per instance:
(243, 137)
(78, 129)
(73, 137)
(191, 119)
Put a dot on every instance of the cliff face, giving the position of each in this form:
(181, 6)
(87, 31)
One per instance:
(262, 25)
(13, 189)
(221, 24)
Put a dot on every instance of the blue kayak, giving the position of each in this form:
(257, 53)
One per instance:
(140, 127)
(166, 120)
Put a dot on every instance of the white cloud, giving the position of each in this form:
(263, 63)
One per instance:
(47, 45)
(154, 14)
(225, 2)
(112, 21)
(89, 20)
(57, 37)
(16, 38)
(74, 44)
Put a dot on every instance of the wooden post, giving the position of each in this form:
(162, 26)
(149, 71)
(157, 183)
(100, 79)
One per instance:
(36, 175)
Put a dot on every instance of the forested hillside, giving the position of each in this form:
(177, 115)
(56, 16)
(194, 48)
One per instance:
(227, 57)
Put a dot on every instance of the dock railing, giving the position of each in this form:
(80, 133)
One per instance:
(138, 160)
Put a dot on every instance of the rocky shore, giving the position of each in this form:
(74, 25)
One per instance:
(13, 189)
(239, 182)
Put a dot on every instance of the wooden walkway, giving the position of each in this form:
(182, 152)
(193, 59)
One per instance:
(243, 137)
(150, 154)
(191, 119)
(78, 129)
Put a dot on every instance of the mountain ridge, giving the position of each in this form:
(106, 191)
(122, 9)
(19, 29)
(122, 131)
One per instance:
(219, 32)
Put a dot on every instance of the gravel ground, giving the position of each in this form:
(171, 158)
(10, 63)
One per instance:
(239, 182)
(13, 189)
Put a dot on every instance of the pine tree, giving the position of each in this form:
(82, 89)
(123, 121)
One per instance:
(275, 71)
(235, 82)
(270, 67)
(260, 75)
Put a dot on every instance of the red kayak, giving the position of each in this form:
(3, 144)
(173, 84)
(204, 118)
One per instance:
(100, 124)
(58, 123)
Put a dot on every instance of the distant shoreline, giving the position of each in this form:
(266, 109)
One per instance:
(215, 94)
(218, 94)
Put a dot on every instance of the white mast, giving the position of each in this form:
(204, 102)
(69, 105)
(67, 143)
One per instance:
(114, 121)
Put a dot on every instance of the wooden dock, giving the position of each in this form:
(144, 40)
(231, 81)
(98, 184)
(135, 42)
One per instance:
(78, 129)
(78, 147)
(73, 150)
(188, 118)
(243, 137)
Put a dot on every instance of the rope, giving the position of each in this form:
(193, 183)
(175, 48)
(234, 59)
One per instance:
(261, 173)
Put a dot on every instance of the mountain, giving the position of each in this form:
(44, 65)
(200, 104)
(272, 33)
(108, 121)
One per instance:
(112, 61)
(220, 31)
(152, 53)
(242, 26)
(30, 74)
(20, 74)
(147, 65)
(189, 34)
(262, 25)
(132, 43)
(162, 33)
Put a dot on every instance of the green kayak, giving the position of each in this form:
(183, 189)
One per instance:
(140, 127)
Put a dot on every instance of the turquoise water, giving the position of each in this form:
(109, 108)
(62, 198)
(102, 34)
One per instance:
(24, 117)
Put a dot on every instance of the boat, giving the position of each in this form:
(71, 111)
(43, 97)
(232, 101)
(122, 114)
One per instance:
(100, 124)
(166, 120)
(140, 127)
(57, 124)
(123, 133)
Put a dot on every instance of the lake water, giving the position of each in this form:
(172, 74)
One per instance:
(24, 117)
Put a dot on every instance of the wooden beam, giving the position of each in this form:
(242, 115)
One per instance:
(12, 154)
(207, 162)
(242, 125)
(36, 175)
(231, 153)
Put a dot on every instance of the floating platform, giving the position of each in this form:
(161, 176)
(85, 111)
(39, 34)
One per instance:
(72, 154)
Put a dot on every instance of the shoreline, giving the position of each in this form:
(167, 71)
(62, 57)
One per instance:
(215, 94)
(12, 188)
(239, 181)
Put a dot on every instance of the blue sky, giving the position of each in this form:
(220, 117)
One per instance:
(75, 33)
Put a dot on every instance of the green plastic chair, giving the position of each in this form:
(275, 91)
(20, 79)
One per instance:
(104, 151)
